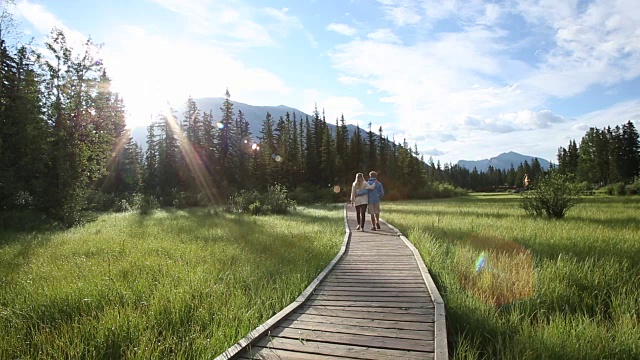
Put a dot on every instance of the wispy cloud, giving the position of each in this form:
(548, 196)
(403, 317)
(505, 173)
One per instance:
(342, 29)
(233, 22)
(44, 21)
(384, 36)
(484, 77)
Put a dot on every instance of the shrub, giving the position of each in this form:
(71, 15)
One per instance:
(619, 189)
(633, 189)
(274, 201)
(609, 190)
(553, 196)
(122, 206)
(145, 203)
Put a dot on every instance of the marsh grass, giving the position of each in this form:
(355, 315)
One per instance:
(173, 284)
(548, 289)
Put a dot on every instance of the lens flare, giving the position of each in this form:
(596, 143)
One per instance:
(220, 125)
(336, 189)
(254, 147)
(278, 158)
(481, 262)
(497, 270)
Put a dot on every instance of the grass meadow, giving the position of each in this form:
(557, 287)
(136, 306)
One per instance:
(517, 287)
(173, 284)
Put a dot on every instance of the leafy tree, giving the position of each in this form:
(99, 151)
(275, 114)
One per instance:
(553, 196)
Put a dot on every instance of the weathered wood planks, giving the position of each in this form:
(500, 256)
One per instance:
(375, 301)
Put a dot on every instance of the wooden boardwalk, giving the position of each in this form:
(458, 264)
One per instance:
(374, 301)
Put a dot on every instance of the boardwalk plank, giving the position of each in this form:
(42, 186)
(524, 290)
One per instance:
(373, 314)
(379, 342)
(374, 323)
(423, 299)
(359, 329)
(371, 292)
(262, 353)
(337, 350)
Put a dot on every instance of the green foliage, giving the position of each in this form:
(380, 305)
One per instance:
(634, 188)
(553, 196)
(619, 189)
(274, 201)
(145, 203)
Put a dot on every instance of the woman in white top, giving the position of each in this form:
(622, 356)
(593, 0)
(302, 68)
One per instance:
(361, 201)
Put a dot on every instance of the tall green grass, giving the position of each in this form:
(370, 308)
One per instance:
(549, 289)
(173, 284)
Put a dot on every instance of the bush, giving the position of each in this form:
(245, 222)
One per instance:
(619, 189)
(633, 189)
(145, 203)
(274, 201)
(122, 206)
(553, 196)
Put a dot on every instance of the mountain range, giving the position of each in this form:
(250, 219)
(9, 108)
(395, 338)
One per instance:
(502, 162)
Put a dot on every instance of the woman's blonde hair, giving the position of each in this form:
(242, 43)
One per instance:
(359, 178)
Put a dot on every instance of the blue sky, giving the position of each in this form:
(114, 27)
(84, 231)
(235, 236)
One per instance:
(462, 79)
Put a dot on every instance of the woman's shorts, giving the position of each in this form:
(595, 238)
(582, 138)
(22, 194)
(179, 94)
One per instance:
(373, 208)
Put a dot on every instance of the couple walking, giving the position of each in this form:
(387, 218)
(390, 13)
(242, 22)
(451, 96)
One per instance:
(366, 195)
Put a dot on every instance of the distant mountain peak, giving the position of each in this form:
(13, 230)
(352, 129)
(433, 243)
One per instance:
(502, 162)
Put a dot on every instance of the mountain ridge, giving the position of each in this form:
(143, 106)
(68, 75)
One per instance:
(502, 162)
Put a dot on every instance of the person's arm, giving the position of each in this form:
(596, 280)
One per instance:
(353, 193)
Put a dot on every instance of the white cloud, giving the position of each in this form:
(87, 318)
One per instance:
(580, 127)
(234, 23)
(44, 21)
(515, 121)
(435, 84)
(354, 111)
(342, 29)
(401, 12)
(597, 45)
(432, 152)
(384, 36)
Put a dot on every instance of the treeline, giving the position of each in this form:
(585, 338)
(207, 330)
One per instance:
(604, 156)
(492, 179)
(62, 130)
(206, 157)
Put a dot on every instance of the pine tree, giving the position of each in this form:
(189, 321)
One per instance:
(630, 152)
(266, 175)
(151, 177)
(371, 149)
